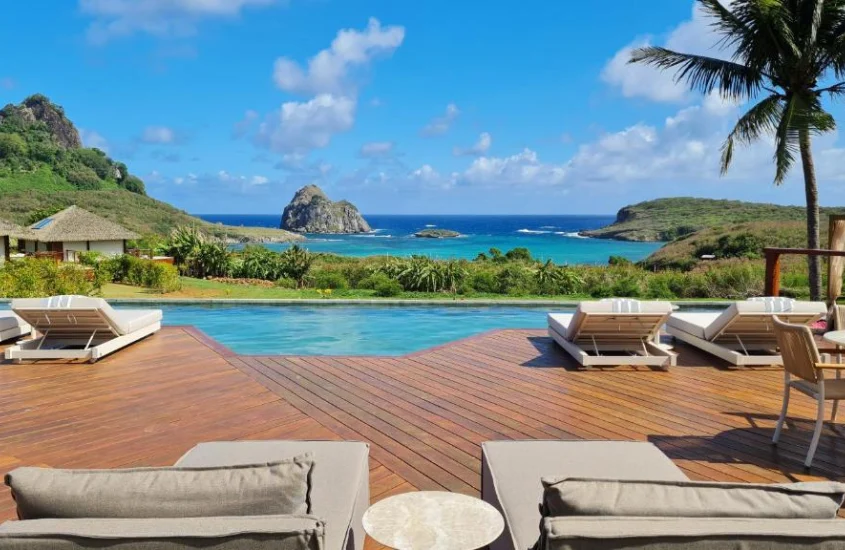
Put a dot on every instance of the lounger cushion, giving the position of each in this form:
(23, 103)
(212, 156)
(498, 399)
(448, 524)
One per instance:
(511, 473)
(692, 322)
(221, 533)
(340, 491)
(257, 489)
(603, 533)
(560, 322)
(710, 325)
(615, 306)
(597, 497)
(8, 320)
(130, 320)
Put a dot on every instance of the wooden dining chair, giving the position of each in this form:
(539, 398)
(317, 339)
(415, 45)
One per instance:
(804, 371)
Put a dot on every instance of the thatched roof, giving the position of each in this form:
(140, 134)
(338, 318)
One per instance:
(76, 224)
(9, 229)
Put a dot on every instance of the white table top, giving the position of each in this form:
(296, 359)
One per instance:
(429, 520)
(835, 337)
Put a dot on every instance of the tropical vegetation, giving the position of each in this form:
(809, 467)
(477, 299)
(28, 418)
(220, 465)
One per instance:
(782, 55)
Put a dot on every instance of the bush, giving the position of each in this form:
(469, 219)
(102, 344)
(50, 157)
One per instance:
(372, 281)
(484, 281)
(618, 260)
(12, 146)
(519, 253)
(31, 278)
(90, 257)
(330, 279)
(388, 289)
(515, 280)
(286, 282)
(127, 269)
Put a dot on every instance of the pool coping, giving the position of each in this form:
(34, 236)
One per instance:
(377, 302)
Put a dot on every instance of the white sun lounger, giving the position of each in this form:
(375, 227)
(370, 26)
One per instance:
(614, 332)
(744, 333)
(12, 326)
(79, 327)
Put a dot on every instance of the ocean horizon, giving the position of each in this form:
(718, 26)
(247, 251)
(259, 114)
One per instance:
(553, 237)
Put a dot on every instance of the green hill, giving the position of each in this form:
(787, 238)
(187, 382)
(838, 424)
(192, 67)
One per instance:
(668, 219)
(43, 166)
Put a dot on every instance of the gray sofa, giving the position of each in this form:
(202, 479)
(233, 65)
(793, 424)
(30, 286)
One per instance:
(511, 482)
(339, 497)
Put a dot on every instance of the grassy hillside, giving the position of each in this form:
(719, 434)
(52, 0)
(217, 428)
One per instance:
(668, 219)
(44, 167)
(743, 240)
(140, 213)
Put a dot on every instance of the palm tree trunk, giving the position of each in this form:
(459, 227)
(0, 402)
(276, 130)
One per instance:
(812, 192)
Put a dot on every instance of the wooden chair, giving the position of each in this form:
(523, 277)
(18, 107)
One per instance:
(804, 371)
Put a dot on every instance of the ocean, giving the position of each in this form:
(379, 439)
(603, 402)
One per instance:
(547, 237)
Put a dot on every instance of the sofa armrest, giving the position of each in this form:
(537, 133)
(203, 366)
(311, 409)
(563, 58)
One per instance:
(603, 533)
(220, 533)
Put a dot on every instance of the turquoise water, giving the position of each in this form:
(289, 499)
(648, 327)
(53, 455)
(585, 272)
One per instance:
(346, 330)
(547, 237)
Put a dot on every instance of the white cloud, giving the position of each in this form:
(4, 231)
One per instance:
(116, 18)
(692, 36)
(485, 140)
(259, 180)
(302, 126)
(521, 169)
(91, 138)
(443, 123)
(376, 149)
(158, 134)
(220, 180)
(328, 71)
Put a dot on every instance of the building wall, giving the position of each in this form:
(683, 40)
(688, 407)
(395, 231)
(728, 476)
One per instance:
(32, 247)
(109, 248)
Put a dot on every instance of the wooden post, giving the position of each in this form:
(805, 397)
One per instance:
(772, 287)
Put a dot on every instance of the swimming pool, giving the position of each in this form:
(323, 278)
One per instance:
(345, 330)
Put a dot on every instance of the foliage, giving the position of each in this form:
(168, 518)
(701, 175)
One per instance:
(128, 269)
(388, 289)
(197, 256)
(295, 262)
(330, 280)
(40, 214)
(31, 278)
(618, 260)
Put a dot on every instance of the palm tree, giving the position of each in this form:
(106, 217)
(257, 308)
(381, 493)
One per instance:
(785, 51)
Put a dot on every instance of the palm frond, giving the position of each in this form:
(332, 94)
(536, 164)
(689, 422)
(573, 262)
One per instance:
(786, 141)
(726, 23)
(761, 119)
(703, 73)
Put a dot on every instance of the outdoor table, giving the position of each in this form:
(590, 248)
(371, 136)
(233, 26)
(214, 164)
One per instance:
(428, 520)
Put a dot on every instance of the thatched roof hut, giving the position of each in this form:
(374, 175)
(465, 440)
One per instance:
(76, 224)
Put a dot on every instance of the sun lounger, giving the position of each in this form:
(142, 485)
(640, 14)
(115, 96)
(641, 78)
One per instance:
(12, 326)
(79, 327)
(744, 333)
(614, 332)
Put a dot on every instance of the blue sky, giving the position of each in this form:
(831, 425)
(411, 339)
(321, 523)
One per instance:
(229, 106)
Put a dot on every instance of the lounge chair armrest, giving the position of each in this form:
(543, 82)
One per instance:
(830, 366)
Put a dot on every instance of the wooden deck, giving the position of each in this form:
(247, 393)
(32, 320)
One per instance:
(424, 414)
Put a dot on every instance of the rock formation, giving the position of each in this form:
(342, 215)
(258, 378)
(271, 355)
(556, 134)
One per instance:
(311, 211)
(37, 108)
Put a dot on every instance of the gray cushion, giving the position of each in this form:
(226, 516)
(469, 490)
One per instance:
(220, 533)
(603, 533)
(511, 473)
(256, 489)
(598, 497)
(9, 320)
(340, 491)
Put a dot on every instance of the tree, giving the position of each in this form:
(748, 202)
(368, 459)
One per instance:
(782, 50)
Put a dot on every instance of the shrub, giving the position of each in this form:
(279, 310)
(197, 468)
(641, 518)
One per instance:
(156, 276)
(286, 282)
(82, 177)
(388, 289)
(90, 257)
(31, 278)
(12, 146)
(372, 281)
(519, 253)
(484, 281)
(330, 279)
(516, 280)
(619, 260)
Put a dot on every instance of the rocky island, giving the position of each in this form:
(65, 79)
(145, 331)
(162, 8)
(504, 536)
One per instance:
(311, 211)
(437, 234)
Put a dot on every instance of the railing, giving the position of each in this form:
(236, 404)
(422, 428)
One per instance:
(772, 287)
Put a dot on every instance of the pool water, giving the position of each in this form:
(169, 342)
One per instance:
(346, 330)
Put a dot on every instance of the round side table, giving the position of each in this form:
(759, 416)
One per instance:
(429, 520)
